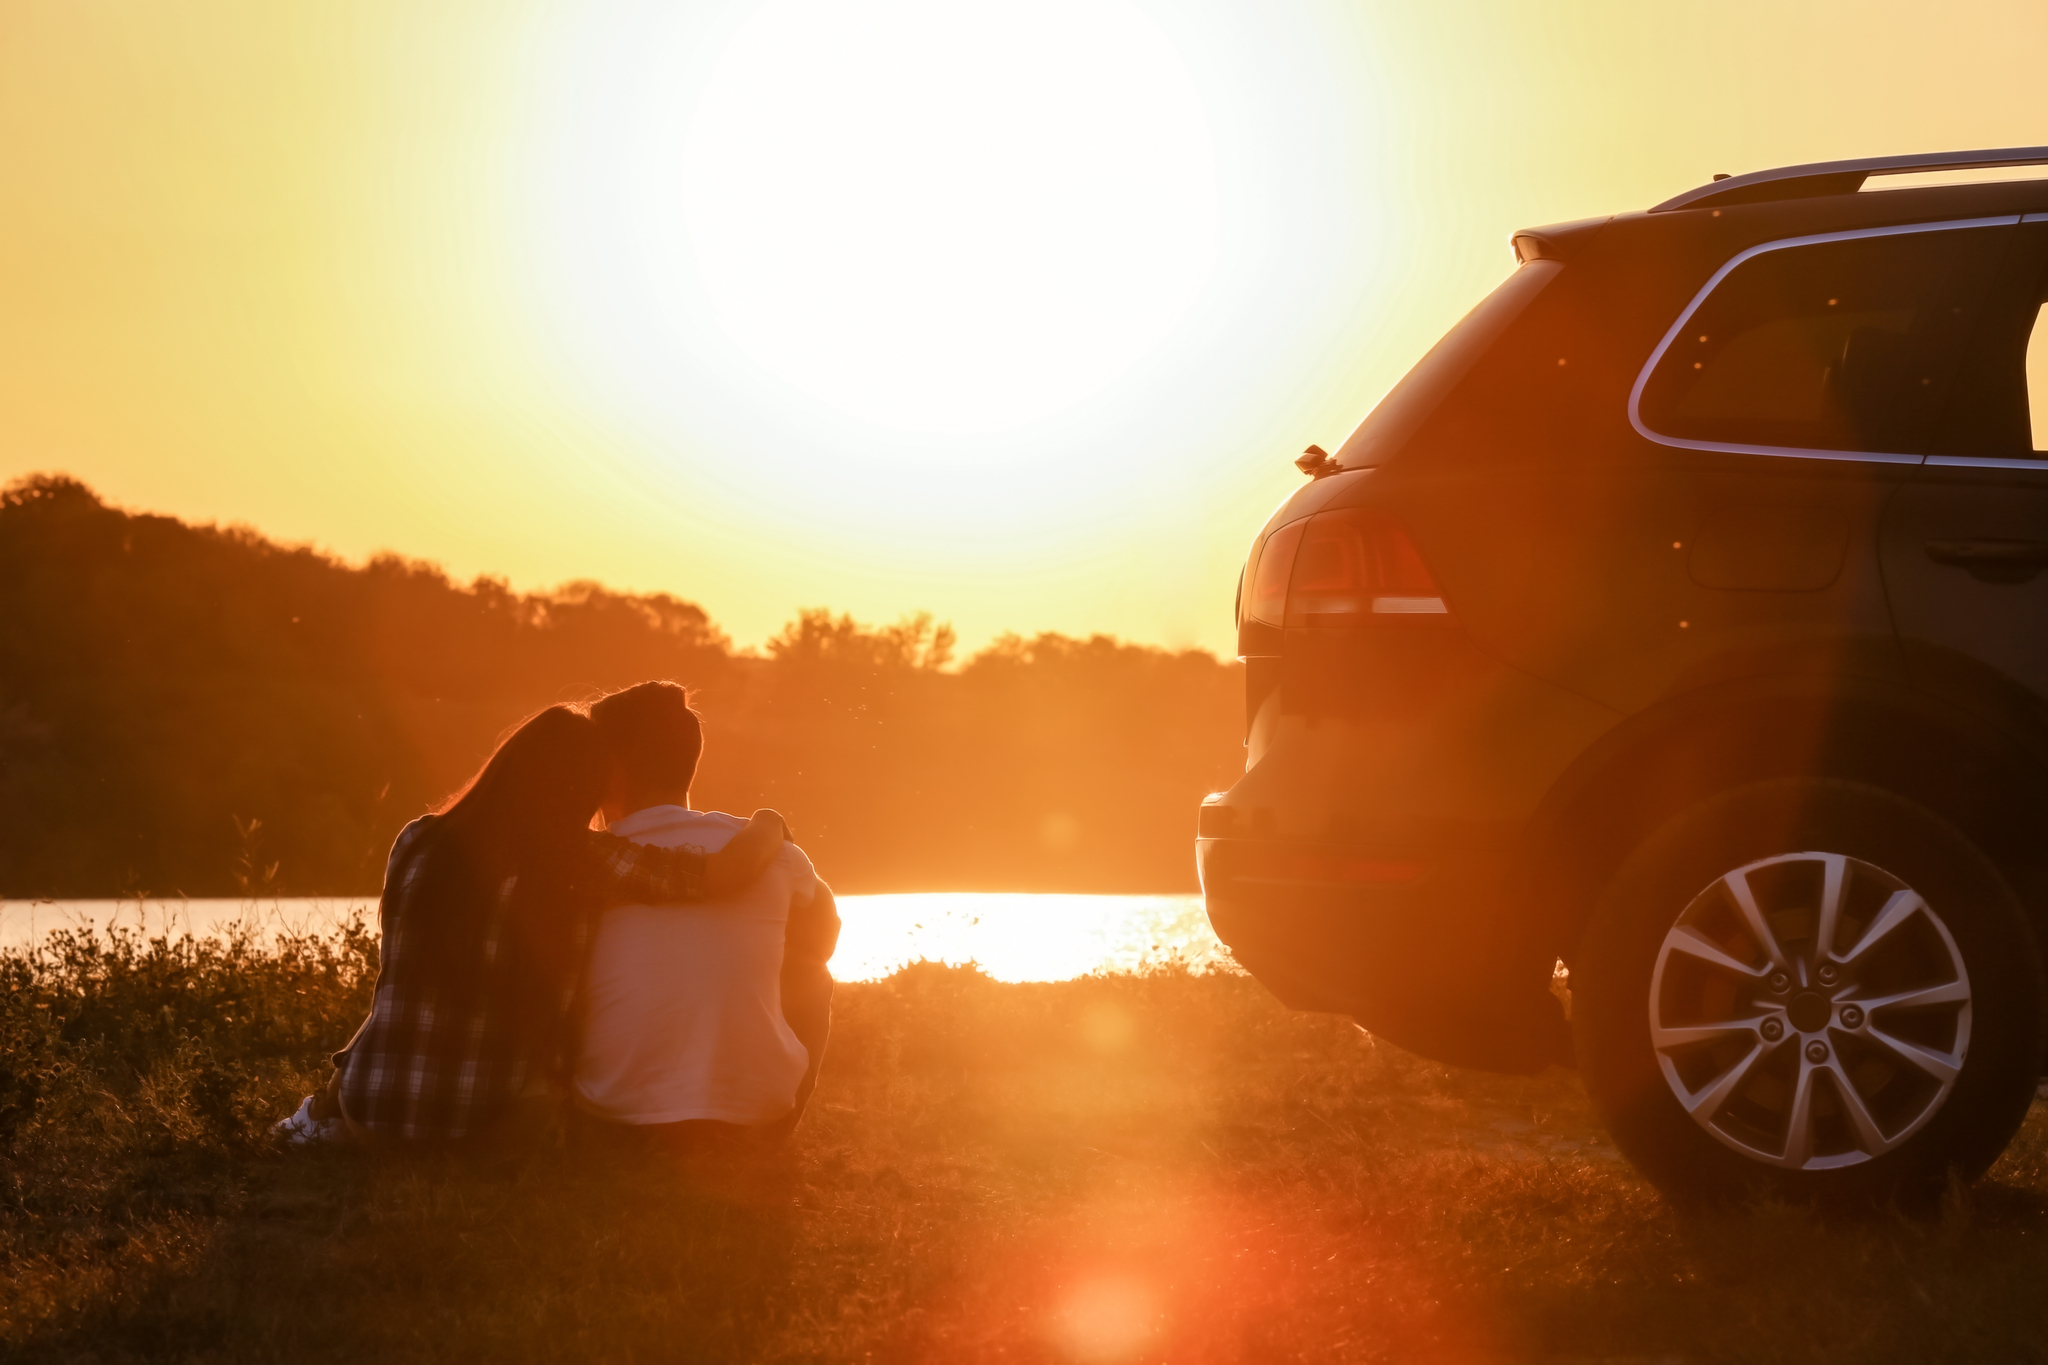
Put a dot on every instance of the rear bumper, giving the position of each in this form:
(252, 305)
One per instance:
(1421, 946)
(1369, 860)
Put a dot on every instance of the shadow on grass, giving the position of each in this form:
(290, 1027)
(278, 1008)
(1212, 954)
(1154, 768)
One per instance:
(565, 1254)
(1772, 1283)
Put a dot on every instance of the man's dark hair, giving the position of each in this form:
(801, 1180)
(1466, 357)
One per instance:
(653, 734)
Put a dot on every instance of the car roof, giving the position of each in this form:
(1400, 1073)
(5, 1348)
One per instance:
(1818, 196)
(1841, 177)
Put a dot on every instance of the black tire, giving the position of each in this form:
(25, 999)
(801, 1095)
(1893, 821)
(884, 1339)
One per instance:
(1883, 1146)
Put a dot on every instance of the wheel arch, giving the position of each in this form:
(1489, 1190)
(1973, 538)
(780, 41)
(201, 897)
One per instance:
(1987, 778)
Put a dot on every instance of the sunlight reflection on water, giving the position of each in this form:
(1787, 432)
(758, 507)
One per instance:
(1013, 936)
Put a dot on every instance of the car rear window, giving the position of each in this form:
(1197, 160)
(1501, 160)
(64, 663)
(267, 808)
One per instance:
(1837, 345)
(1409, 403)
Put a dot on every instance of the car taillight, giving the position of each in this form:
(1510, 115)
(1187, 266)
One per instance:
(1268, 600)
(1354, 567)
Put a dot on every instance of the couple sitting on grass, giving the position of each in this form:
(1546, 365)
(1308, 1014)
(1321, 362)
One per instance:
(664, 977)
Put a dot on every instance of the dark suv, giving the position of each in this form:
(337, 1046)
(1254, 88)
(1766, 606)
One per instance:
(1681, 617)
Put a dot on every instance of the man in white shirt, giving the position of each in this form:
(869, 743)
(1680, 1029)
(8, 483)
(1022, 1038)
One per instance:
(713, 1013)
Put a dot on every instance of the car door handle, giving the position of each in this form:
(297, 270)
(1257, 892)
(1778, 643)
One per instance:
(1992, 561)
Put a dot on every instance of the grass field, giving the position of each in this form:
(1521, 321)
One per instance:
(1168, 1167)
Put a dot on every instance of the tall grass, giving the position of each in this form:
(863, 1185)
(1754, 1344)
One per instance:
(1167, 1167)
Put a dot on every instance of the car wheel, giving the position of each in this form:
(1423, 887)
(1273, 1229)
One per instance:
(1810, 988)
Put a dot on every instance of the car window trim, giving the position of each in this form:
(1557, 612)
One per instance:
(1635, 396)
(2039, 464)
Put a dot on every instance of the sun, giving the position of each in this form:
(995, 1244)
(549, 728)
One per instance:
(946, 217)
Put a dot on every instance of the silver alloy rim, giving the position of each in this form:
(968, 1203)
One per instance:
(1810, 1010)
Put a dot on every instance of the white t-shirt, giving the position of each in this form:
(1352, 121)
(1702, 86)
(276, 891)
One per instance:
(684, 1015)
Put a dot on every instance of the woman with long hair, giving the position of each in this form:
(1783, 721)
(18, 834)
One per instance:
(484, 915)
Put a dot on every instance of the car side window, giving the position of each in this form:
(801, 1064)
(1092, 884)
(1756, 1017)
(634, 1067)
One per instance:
(1841, 345)
(1990, 410)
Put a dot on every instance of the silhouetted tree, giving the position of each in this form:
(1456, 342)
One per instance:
(198, 709)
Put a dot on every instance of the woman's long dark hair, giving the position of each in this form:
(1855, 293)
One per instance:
(524, 817)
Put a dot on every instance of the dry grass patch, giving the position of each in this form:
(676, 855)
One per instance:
(1118, 1169)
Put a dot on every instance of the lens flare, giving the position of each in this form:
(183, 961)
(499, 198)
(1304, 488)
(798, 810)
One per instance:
(1107, 1318)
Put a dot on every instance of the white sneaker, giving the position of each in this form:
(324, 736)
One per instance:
(303, 1130)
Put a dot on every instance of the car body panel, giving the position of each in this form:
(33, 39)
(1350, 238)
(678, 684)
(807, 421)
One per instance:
(1997, 614)
(1630, 622)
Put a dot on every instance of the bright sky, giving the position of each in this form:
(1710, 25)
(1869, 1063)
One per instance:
(1010, 310)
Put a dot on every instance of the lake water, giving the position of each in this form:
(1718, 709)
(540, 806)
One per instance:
(1013, 937)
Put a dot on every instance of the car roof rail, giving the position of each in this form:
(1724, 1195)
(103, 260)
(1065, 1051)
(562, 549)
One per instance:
(1841, 177)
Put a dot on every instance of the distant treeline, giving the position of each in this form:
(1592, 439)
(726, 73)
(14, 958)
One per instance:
(196, 710)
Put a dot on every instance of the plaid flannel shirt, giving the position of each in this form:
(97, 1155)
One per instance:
(418, 1070)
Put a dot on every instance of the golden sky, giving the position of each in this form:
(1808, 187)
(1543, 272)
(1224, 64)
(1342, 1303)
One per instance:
(1010, 310)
